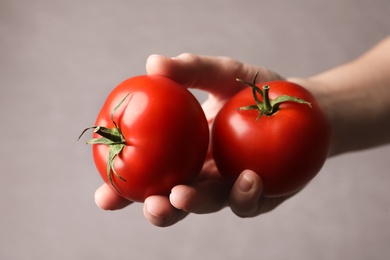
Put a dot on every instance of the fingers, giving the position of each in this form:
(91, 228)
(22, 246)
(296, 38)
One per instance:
(246, 198)
(207, 196)
(216, 75)
(159, 211)
(204, 197)
(107, 199)
(245, 194)
(211, 195)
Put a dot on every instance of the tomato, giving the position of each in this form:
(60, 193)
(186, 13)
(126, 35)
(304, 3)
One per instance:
(150, 135)
(286, 144)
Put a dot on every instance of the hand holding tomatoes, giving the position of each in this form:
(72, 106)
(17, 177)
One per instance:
(210, 192)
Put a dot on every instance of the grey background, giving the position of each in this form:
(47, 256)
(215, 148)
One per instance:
(60, 59)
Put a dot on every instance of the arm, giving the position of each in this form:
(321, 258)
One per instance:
(356, 97)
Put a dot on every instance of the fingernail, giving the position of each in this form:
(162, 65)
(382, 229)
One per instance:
(245, 183)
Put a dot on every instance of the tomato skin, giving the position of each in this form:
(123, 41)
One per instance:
(287, 149)
(166, 135)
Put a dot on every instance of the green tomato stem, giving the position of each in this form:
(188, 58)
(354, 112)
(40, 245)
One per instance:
(268, 106)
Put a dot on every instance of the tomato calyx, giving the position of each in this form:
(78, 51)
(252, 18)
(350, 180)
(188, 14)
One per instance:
(113, 138)
(268, 106)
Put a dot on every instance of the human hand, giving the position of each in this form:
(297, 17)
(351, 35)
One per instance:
(211, 192)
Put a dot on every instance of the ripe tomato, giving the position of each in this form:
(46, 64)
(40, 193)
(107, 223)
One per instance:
(286, 144)
(150, 135)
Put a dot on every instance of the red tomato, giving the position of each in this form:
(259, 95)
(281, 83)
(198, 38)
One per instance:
(287, 147)
(154, 136)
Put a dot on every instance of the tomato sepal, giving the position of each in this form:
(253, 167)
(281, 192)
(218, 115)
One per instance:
(268, 106)
(114, 139)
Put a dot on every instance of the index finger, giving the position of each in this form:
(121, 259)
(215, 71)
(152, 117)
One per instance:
(216, 75)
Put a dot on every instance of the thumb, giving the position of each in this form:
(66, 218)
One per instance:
(245, 194)
(246, 198)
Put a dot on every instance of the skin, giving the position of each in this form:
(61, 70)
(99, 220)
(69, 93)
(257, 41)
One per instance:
(355, 95)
